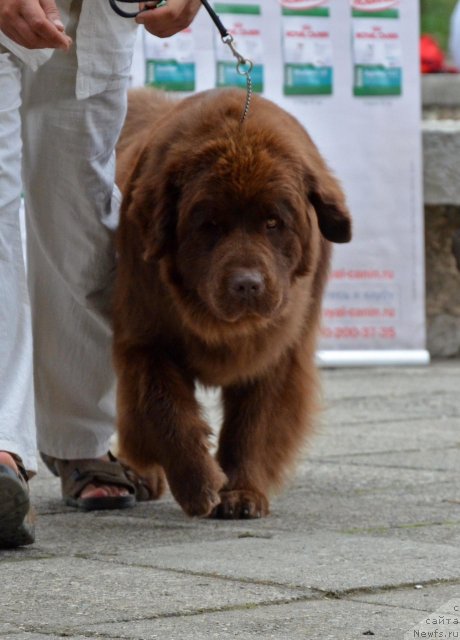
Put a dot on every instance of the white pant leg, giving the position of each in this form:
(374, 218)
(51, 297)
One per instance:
(68, 179)
(17, 421)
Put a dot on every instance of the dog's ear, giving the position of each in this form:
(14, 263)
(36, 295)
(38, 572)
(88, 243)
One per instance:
(324, 193)
(150, 201)
(322, 190)
(327, 198)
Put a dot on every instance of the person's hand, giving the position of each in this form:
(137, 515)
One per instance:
(170, 19)
(34, 24)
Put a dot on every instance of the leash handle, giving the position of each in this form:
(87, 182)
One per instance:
(133, 14)
(215, 18)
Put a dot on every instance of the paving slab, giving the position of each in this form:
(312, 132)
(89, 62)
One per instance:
(67, 593)
(326, 619)
(112, 535)
(347, 474)
(380, 410)
(445, 459)
(7, 628)
(371, 515)
(344, 478)
(26, 635)
(447, 532)
(332, 440)
(441, 377)
(427, 598)
(330, 562)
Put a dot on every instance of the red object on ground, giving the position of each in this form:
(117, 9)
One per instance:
(432, 57)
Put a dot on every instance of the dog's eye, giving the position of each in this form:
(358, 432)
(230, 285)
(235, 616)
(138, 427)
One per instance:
(211, 224)
(272, 223)
(212, 227)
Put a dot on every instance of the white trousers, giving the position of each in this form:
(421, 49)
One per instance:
(17, 420)
(68, 174)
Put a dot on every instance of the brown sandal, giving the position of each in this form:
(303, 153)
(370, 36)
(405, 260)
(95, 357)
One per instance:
(75, 475)
(17, 526)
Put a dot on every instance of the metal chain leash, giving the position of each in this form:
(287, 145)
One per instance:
(244, 66)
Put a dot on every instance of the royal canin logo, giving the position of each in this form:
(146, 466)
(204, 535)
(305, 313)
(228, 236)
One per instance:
(373, 5)
(307, 32)
(302, 4)
(238, 29)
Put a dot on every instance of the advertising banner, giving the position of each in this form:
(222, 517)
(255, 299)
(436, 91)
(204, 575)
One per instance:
(349, 71)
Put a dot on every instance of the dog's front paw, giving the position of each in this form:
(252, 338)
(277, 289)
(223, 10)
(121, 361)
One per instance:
(241, 504)
(196, 488)
(151, 486)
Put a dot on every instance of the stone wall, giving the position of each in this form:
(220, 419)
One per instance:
(441, 158)
(442, 281)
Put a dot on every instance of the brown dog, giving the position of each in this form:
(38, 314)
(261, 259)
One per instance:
(223, 256)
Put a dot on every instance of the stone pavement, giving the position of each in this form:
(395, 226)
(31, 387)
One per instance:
(364, 543)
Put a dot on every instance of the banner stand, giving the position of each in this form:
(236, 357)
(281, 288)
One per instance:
(372, 358)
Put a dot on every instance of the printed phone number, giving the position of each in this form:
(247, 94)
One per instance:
(342, 333)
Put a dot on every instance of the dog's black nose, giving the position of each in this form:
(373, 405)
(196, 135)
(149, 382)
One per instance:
(247, 284)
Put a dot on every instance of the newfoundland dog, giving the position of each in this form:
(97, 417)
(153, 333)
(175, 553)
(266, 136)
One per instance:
(223, 245)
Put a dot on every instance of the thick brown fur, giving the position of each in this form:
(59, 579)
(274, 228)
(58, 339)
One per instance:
(224, 248)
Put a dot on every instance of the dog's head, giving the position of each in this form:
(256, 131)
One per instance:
(237, 213)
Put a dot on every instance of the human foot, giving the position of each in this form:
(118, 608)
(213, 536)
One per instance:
(8, 461)
(147, 488)
(94, 490)
(16, 515)
(93, 483)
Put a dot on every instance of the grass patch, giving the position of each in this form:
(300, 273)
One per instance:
(435, 18)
